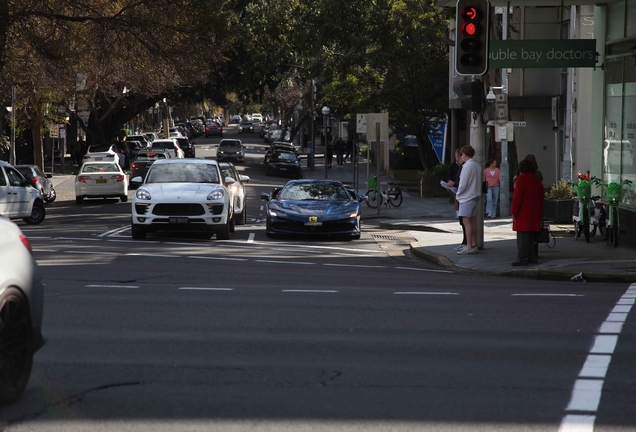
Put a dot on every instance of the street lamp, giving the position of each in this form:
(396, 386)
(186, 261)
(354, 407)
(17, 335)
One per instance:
(325, 113)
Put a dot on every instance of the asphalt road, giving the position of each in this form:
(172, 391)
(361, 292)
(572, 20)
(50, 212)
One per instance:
(183, 333)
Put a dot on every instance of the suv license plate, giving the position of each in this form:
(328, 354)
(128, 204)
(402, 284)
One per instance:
(313, 223)
(178, 220)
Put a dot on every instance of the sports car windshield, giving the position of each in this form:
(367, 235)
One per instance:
(183, 173)
(314, 192)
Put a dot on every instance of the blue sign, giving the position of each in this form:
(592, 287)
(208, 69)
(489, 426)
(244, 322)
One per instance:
(410, 141)
(436, 131)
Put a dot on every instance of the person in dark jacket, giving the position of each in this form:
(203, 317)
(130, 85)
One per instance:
(527, 211)
(339, 146)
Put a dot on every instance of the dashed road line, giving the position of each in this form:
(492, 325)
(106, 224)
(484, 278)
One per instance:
(218, 258)
(424, 293)
(353, 265)
(205, 289)
(113, 286)
(546, 295)
(309, 291)
(284, 262)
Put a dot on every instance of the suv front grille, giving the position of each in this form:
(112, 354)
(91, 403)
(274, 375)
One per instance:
(178, 210)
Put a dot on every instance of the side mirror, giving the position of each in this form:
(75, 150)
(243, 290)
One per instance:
(137, 180)
(49, 175)
(244, 178)
(265, 196)
(229, 181)
(363, 198)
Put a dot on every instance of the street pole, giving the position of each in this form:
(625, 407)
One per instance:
(504, 169)
(312, 138)
(325, 113)
(377, 164)
(12, 160)
(477, 142)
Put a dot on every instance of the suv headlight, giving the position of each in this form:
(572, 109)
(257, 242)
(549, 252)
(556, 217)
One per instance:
(143, 194)
(216, 194)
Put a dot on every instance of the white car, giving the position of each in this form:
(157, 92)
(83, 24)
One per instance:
(169, 144)
(21, 305)
(102, 153)
(101, 180)
(18, 199)
(183, 195)
(257, 118)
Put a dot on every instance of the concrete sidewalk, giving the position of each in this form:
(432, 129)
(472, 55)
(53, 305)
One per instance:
(432, 222)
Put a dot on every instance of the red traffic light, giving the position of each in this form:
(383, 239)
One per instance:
(470, 29)
(471, 13)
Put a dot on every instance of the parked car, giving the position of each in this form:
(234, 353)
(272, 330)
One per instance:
(246, 126)
(145, 158)
(21, 307)
(257, 118)
(142, 138)
(235, 119)
(284, 163)
(38, 180)
(183, 195)
(169, 144)
(187, 146)
(237, 191)
(230, 149)
(101, 180)
(213, 129)
(313, 207)
(18, 199)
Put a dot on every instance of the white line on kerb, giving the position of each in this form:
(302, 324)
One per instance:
(424, 270)
(206, 289)
(587, 391)
(111, 286)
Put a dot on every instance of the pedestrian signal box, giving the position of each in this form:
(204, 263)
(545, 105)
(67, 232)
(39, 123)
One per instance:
(471, 38)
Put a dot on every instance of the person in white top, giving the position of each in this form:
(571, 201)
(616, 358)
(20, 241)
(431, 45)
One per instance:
(468, 194)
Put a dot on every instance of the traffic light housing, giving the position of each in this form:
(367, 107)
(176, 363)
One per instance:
(471, 37)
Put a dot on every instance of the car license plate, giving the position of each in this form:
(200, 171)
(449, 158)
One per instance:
(283, 169)
(313, 223)
(101, 181)
(178, 220)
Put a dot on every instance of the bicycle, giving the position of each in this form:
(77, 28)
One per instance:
(581, 220)
(613, 194)
(391, 197)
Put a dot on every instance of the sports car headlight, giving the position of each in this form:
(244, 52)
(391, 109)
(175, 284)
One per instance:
(216, 194)
(353, 215)
(273, 213)
(143, 194)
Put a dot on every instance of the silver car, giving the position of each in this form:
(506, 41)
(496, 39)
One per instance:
(21, 304)
(39, 180)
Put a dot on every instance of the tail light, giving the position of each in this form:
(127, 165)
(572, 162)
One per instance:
(118, 178)
(34, 180)
(26, 243)
(135, 165)
(83, 179)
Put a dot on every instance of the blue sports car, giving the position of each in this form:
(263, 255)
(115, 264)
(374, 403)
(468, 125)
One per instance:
(313, 207)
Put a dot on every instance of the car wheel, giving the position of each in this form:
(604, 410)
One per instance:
(137, 233)
(232, 223)
(37, 214)
(79, 200)
(241, 218)
(224, 233)
(123, 198)
(16, 345)
(51, 196)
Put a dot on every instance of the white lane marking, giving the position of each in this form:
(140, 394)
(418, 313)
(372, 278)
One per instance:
(626, 301)
(309, 291)
(547, 295)
(305, 247)
(595, 366)
(112, 286)
(604, 344)
(424, 270)
(262, 207)
(424, 293)
(218, 258)
(44, 250)
(92, 253)
(114, 231)
(353, 265)
(77, 238)
(152, 255)
(206, 289)
(38, 238)
(586, 394)
(577, 423)
(285, 262)
(135, 241)
(251, 238)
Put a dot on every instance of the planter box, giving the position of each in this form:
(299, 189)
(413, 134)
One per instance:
(559, 211)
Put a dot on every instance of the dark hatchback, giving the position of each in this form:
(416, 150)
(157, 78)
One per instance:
(144, 160)
(187, 146)
(213, 129)
(313, 207)
(283, 163)
(230, 149)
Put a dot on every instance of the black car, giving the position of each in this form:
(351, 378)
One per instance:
(144, 159)
(213, 129)
(230, 149)
(38, 180)
(283, 163)
(187, 146)
(284, 146)
(246, 126)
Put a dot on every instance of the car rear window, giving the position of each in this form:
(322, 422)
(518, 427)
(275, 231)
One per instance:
(99, 148)
(150, 157)
(105, 167)
(230, 144)
(162, 145)
(25, 171)
(183, 173)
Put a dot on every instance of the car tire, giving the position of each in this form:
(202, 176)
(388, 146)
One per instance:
(232, 223)
(123, 198)
(79, 200)
(37, 214)
(224, 233)
(137, 233)
(16, 345)
(241, 218)
(51, 196)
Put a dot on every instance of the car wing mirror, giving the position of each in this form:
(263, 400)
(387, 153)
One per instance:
(265, 196)
(137, 180)
(49, 176)
(229, 181)
(363, 198)
(244, 178)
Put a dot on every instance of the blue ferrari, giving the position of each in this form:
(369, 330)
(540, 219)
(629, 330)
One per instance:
(314, 207)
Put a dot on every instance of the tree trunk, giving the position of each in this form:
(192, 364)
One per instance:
(36, 135)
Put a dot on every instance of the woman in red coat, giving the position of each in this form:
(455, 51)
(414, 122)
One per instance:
(527, 211)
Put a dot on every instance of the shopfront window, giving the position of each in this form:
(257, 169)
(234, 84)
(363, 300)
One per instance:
(631, 23)
(616, 21)
(613, 119)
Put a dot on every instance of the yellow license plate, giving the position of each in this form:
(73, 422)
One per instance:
(100, 181)
(313, 218)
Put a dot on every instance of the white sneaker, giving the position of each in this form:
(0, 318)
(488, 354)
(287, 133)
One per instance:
(467, 251)
(460, 247)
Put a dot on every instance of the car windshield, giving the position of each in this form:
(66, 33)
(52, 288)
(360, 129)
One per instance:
(99, 148)
(183, 173)
(25, 171)
(100, 167)
(285, 157)
(314, 191)
(230, 144)
(162, 145)
(150, 157)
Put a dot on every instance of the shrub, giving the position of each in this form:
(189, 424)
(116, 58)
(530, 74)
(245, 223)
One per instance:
(562, 190)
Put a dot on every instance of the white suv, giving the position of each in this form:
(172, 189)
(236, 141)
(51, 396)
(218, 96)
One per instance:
(257, 118)
(17, 198)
